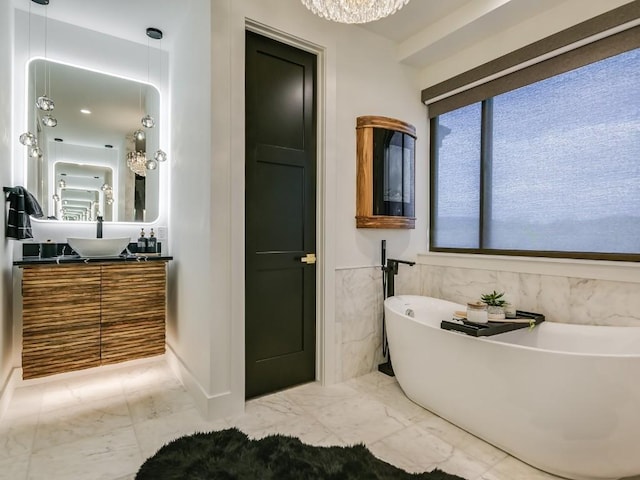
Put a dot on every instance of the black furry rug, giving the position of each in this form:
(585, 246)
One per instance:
(231, 455)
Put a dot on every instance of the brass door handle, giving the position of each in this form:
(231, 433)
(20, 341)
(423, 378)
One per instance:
(309, 258)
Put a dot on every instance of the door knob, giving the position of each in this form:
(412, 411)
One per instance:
(309, 258)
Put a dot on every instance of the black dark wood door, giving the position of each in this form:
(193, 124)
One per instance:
(280, 234)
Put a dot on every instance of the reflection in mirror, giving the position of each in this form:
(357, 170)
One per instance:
(81, 193)
(83, 171)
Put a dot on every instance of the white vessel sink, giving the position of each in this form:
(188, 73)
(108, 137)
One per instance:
(98, 247)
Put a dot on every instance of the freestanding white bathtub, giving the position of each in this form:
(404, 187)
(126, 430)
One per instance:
(562, 398)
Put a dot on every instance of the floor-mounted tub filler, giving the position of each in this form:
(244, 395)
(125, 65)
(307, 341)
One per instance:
(563, 398)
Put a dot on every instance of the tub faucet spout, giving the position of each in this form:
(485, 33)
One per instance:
(390, 270)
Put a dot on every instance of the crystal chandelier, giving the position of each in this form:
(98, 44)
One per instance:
(137, 163)
(354, 11)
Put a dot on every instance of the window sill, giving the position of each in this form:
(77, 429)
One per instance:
(562, 267)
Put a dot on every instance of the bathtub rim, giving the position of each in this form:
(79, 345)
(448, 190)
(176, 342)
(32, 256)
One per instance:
(389, 300)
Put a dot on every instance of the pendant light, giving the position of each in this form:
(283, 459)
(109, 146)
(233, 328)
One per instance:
(28, 139)
(152, 33)
(159, 155)
(43, 102)
(49, 121)
(354, 11)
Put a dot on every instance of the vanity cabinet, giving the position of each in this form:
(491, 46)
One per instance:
(85, 315)
(133, 311)
(60, 319)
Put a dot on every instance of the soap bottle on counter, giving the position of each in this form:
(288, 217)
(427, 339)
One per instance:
(152, 243)
(142, 242)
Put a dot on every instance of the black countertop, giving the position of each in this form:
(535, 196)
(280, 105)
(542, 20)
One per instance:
(65, 259)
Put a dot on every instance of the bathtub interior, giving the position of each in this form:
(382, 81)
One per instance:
(551, 336)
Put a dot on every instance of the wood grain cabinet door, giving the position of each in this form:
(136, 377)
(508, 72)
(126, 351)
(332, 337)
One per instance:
(61, 319)
(133, 311)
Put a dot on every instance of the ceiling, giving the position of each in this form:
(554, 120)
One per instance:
(424, 30)
(127, 19)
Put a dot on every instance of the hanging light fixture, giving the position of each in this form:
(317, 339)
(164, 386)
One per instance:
(137, 163)
(160, 155)
(35, 151)
(148, 121)
(28, 139)
(108, 193)
(354, 11)
(151, 164)
(152, 33)
(139, 135)
(43, 102)
(49, 121)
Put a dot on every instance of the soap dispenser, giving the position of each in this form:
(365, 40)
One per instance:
(142, 242)
(152, 243)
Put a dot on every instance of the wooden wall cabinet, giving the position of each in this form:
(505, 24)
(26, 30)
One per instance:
(385, 196)
(86, 315)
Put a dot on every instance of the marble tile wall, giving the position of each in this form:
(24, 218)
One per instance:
(359, 316)
(358, 321)
(560, 299)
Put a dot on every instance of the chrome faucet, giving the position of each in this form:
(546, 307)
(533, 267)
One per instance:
(99, 230)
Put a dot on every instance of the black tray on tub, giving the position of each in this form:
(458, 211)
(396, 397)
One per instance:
(493, 328)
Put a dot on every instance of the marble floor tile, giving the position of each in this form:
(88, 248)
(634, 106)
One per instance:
(314, 395)
(17, 436)
(361, 419)
(511, 468)
(462, 464)
(305, 427)
(371, 381)
(481, 450)
(103, 457)
(14, 468)
(148, 375)
(264, 412)
(85, 420)
(392, 395)
(412, 449)
(157, 432)
(77, 391)
(157, 401)
(25, 401)
(105, 425)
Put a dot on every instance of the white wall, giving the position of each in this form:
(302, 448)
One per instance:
(358, 76)
(193, 314)
(6, 246)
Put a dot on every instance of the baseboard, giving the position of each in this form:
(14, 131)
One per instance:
(212, 407)
(14, 378)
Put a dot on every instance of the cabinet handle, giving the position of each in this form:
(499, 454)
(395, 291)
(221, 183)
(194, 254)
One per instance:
(309, 258)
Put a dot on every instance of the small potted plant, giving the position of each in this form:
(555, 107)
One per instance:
(495, 305)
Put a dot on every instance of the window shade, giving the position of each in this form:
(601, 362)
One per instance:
(592, 52)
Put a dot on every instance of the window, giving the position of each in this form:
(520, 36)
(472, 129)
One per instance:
(549, 168)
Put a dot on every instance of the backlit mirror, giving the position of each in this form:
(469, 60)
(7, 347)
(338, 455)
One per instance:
(83, 171)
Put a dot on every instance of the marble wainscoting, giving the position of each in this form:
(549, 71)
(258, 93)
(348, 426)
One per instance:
(560, 299)
(359, 305)
(358, 321)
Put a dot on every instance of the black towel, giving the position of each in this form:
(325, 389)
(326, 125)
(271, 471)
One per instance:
(21, 205)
